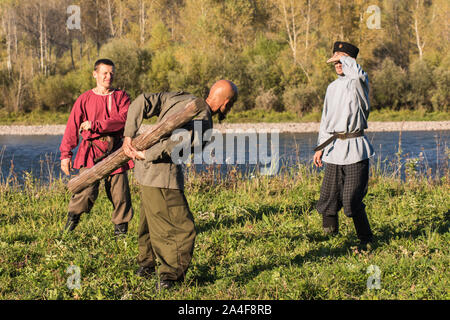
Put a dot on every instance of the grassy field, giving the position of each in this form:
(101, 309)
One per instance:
(258, 238)
(39, 117)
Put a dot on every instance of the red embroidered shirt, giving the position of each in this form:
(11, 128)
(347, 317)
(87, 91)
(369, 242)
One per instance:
(107, 114)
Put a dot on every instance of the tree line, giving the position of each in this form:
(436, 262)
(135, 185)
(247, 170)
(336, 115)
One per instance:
(274, 50)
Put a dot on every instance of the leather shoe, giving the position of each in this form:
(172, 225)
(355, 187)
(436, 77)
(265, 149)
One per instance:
(145, 272)
(164, 284)
(330, 231)
(72, 221)
(365, 245)
(121, 228)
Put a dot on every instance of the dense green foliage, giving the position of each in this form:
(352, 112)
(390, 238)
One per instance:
(258, 238)
(274, 50)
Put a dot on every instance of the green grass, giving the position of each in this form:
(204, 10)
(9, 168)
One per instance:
(36, 117)
(408, 115)
(375, 115)
(39, 117)
(256, 115)
(258, 238)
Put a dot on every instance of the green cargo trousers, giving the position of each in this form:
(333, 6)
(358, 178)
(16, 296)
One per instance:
(118, 192)
(166, 232)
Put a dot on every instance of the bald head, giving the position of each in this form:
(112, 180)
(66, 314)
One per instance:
(223, 89)
(222, 96)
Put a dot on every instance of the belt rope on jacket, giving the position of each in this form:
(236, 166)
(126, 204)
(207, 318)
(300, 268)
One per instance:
(342, 136)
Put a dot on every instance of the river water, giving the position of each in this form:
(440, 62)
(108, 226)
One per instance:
(427, 151)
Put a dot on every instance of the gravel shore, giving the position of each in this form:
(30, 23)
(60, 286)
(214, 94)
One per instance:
(258, 127)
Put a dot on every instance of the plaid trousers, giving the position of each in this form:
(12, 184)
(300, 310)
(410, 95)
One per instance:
(345, 186)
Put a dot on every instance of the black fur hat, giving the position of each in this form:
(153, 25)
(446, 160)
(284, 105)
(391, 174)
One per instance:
(346, 47)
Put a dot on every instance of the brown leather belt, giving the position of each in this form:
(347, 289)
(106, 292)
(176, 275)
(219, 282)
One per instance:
(105, 153)
(342, 136)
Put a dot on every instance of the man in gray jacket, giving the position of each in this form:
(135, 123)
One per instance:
(343, 145)
(166, 228)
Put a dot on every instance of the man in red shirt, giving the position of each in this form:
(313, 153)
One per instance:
(99, 115)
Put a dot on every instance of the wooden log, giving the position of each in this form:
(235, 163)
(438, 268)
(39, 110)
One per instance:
(144, 141)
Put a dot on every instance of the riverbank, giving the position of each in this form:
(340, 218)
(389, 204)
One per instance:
(292, 127)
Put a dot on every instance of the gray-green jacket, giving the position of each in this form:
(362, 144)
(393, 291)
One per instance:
(158, 169)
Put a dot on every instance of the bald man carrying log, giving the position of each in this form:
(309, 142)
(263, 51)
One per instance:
(166, 228)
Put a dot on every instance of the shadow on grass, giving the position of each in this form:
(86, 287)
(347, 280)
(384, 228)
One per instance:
(264, 210)
(206, 275)
(436, 223)
(21, 237)
(9, 219)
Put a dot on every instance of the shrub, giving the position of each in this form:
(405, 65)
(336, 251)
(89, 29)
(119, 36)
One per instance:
(268, 100)
(5, 83)
(197, 71)
(300, 99)
(163, 63)
(262, 64)
(420, 78)
(55, 92)
(441, 92)
(389, 86)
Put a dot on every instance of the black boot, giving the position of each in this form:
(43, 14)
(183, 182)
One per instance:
(120, 229)
(363, 230)
(330, 225)
(72, 221)
(145, 272)
(164, 284)
(330, 231)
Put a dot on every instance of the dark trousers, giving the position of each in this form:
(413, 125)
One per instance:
(118, 192)
(345, 186)
(166, 232)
